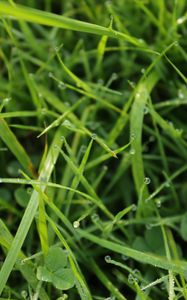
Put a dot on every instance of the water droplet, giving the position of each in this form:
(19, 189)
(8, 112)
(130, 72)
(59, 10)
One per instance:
(50, 74)
(108, 259)
(100, 81)
(142, 70)
(138, 95)
(24, 294)
(67, 123)
(152, 138)
(141, 41)
(57, 48)
(94, 136)
(133, 136)
(7, 100)
(67, 104)
(76, 224)
(134, 207)
(1, 180)
(95, 218)
(31, 75)
(180, 20)
(176, 44)
(158, 203)
(148, 226)
(167, 184)
(29, 190)
(40, 95)
(146, 110)
(105, 168)
(131, 279)
(147, 180)
(136, 272)
(43, 111)
(132, 151)
(180, 94)
(62, 138)
(114, 76)
(61, 85)
(124, 257)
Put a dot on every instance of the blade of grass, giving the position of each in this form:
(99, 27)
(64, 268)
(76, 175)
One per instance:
(36, 16)
(15, 147)
(30, 212)
(147, 258)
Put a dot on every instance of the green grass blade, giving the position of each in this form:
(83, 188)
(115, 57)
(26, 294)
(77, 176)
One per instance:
(36, 16)
(15, 147)
(29, 212)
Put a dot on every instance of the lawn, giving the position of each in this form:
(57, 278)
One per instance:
(93, 149)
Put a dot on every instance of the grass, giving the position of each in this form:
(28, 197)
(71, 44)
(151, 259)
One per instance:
(93, 143)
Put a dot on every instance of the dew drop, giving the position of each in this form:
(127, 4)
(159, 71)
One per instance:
(57, 48)
(147, 180)
(29, 190)
(114, 76)
(180, 94)
(24, 294)
(50, 74)
(146, 110)
(61, 85)
(94, 136)
(108, 259)
(138, 95)
(76, 224)
(131, 279)
(62, 138)
(132, 151)
(7, 100)
(158, 203)
(148, 226)
(100, 81)
(134, 207)
(55, 146)
(142, 70)
(1, 180)
(180, 20)
(124, 257)
(133, 136)
(67, 123)
(176, 44)
(43, 111)
(167, 184)
(136, 272)
(95, 218)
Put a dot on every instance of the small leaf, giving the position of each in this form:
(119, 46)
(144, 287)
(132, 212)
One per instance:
(22, 197)
(44, 274)
(183, 227)
(63, 279)
(55, 259)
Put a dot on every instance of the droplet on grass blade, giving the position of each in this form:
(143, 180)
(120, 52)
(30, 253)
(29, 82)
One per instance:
(132, 151)
(76, 224)
(147, 180)
(94, 136)
(108, 259)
